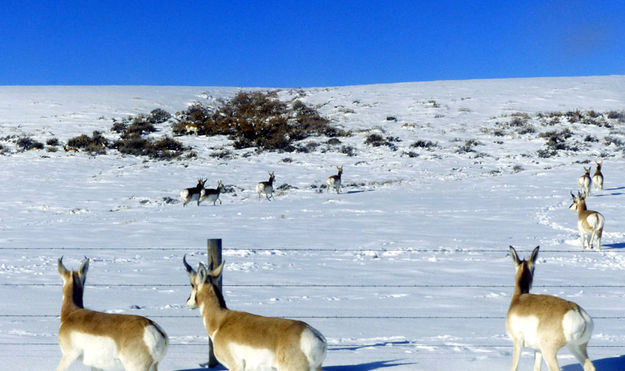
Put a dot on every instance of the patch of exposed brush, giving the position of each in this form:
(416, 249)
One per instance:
(424, 144)
(133, 139)
(165, 148)
(519, 123)
(94, 144)
(377, 140)
(28, 143)
(556, 141)
(257, 119)
(468, 146)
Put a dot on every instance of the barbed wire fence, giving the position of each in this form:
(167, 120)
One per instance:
(402, 343)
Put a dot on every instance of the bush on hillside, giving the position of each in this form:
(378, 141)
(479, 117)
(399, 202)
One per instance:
(96, 144)
(257, 119)
(27, 143)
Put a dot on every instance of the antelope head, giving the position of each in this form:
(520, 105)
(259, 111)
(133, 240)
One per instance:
(577, 201)
(74, 280)
(201, 280)
(524, 269)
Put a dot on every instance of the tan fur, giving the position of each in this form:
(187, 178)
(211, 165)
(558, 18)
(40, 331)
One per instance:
(126, 331)
(226, 327)
(549, 311)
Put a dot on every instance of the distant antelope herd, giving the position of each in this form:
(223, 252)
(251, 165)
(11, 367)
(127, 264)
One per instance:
(199, 193)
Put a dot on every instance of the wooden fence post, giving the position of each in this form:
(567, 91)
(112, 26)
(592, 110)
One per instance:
(214, 257)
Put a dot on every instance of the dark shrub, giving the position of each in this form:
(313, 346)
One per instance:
(518, 122)
(52, 142)
(427, 144)
(158, 116)
(348, 150)
(616, 115)
(161, 149)
(165, 149)
(223, 154)
(574, 116)
(468, 146)
(546, 153)
(138, 127)
(96, 144)
(134, 145)
(527, 129)
(557, 139)
(257, 119)
(27, 143)
(119, 127)
(377, 140)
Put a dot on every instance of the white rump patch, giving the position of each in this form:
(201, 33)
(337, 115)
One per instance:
(577, 326)
(97, 351)
(156, 343)
(313, 345)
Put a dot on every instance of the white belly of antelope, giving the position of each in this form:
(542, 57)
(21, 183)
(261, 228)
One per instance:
(97, 351)
(526, 330)
(251, 358)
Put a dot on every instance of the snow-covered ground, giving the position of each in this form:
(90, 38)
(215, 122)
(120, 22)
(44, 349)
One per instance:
(407, 269)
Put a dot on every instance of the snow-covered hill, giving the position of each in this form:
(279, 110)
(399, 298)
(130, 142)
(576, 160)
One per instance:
(407, 269)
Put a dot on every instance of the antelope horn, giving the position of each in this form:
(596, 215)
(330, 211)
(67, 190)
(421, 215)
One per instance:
(186, 265)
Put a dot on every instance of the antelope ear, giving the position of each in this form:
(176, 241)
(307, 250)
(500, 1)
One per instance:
(534, 256)
(202, 275)
(84, 267)
(61, 268)
(515, 256)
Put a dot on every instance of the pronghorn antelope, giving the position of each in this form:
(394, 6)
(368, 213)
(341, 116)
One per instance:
(196, 193)
(244, 341)
(191, 129)
(589, 222)
(543, 322)
(104, 340)
(212, 194)
(266, 187)
(597, 177)
(69, 149)
(334, 181)
(584, 182)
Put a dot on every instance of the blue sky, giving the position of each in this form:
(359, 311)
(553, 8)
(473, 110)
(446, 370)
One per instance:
(305, 43)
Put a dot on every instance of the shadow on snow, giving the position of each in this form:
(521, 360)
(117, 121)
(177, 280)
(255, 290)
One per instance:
(369, 366)
(606, 364)
(618, 245)
(366, 366)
